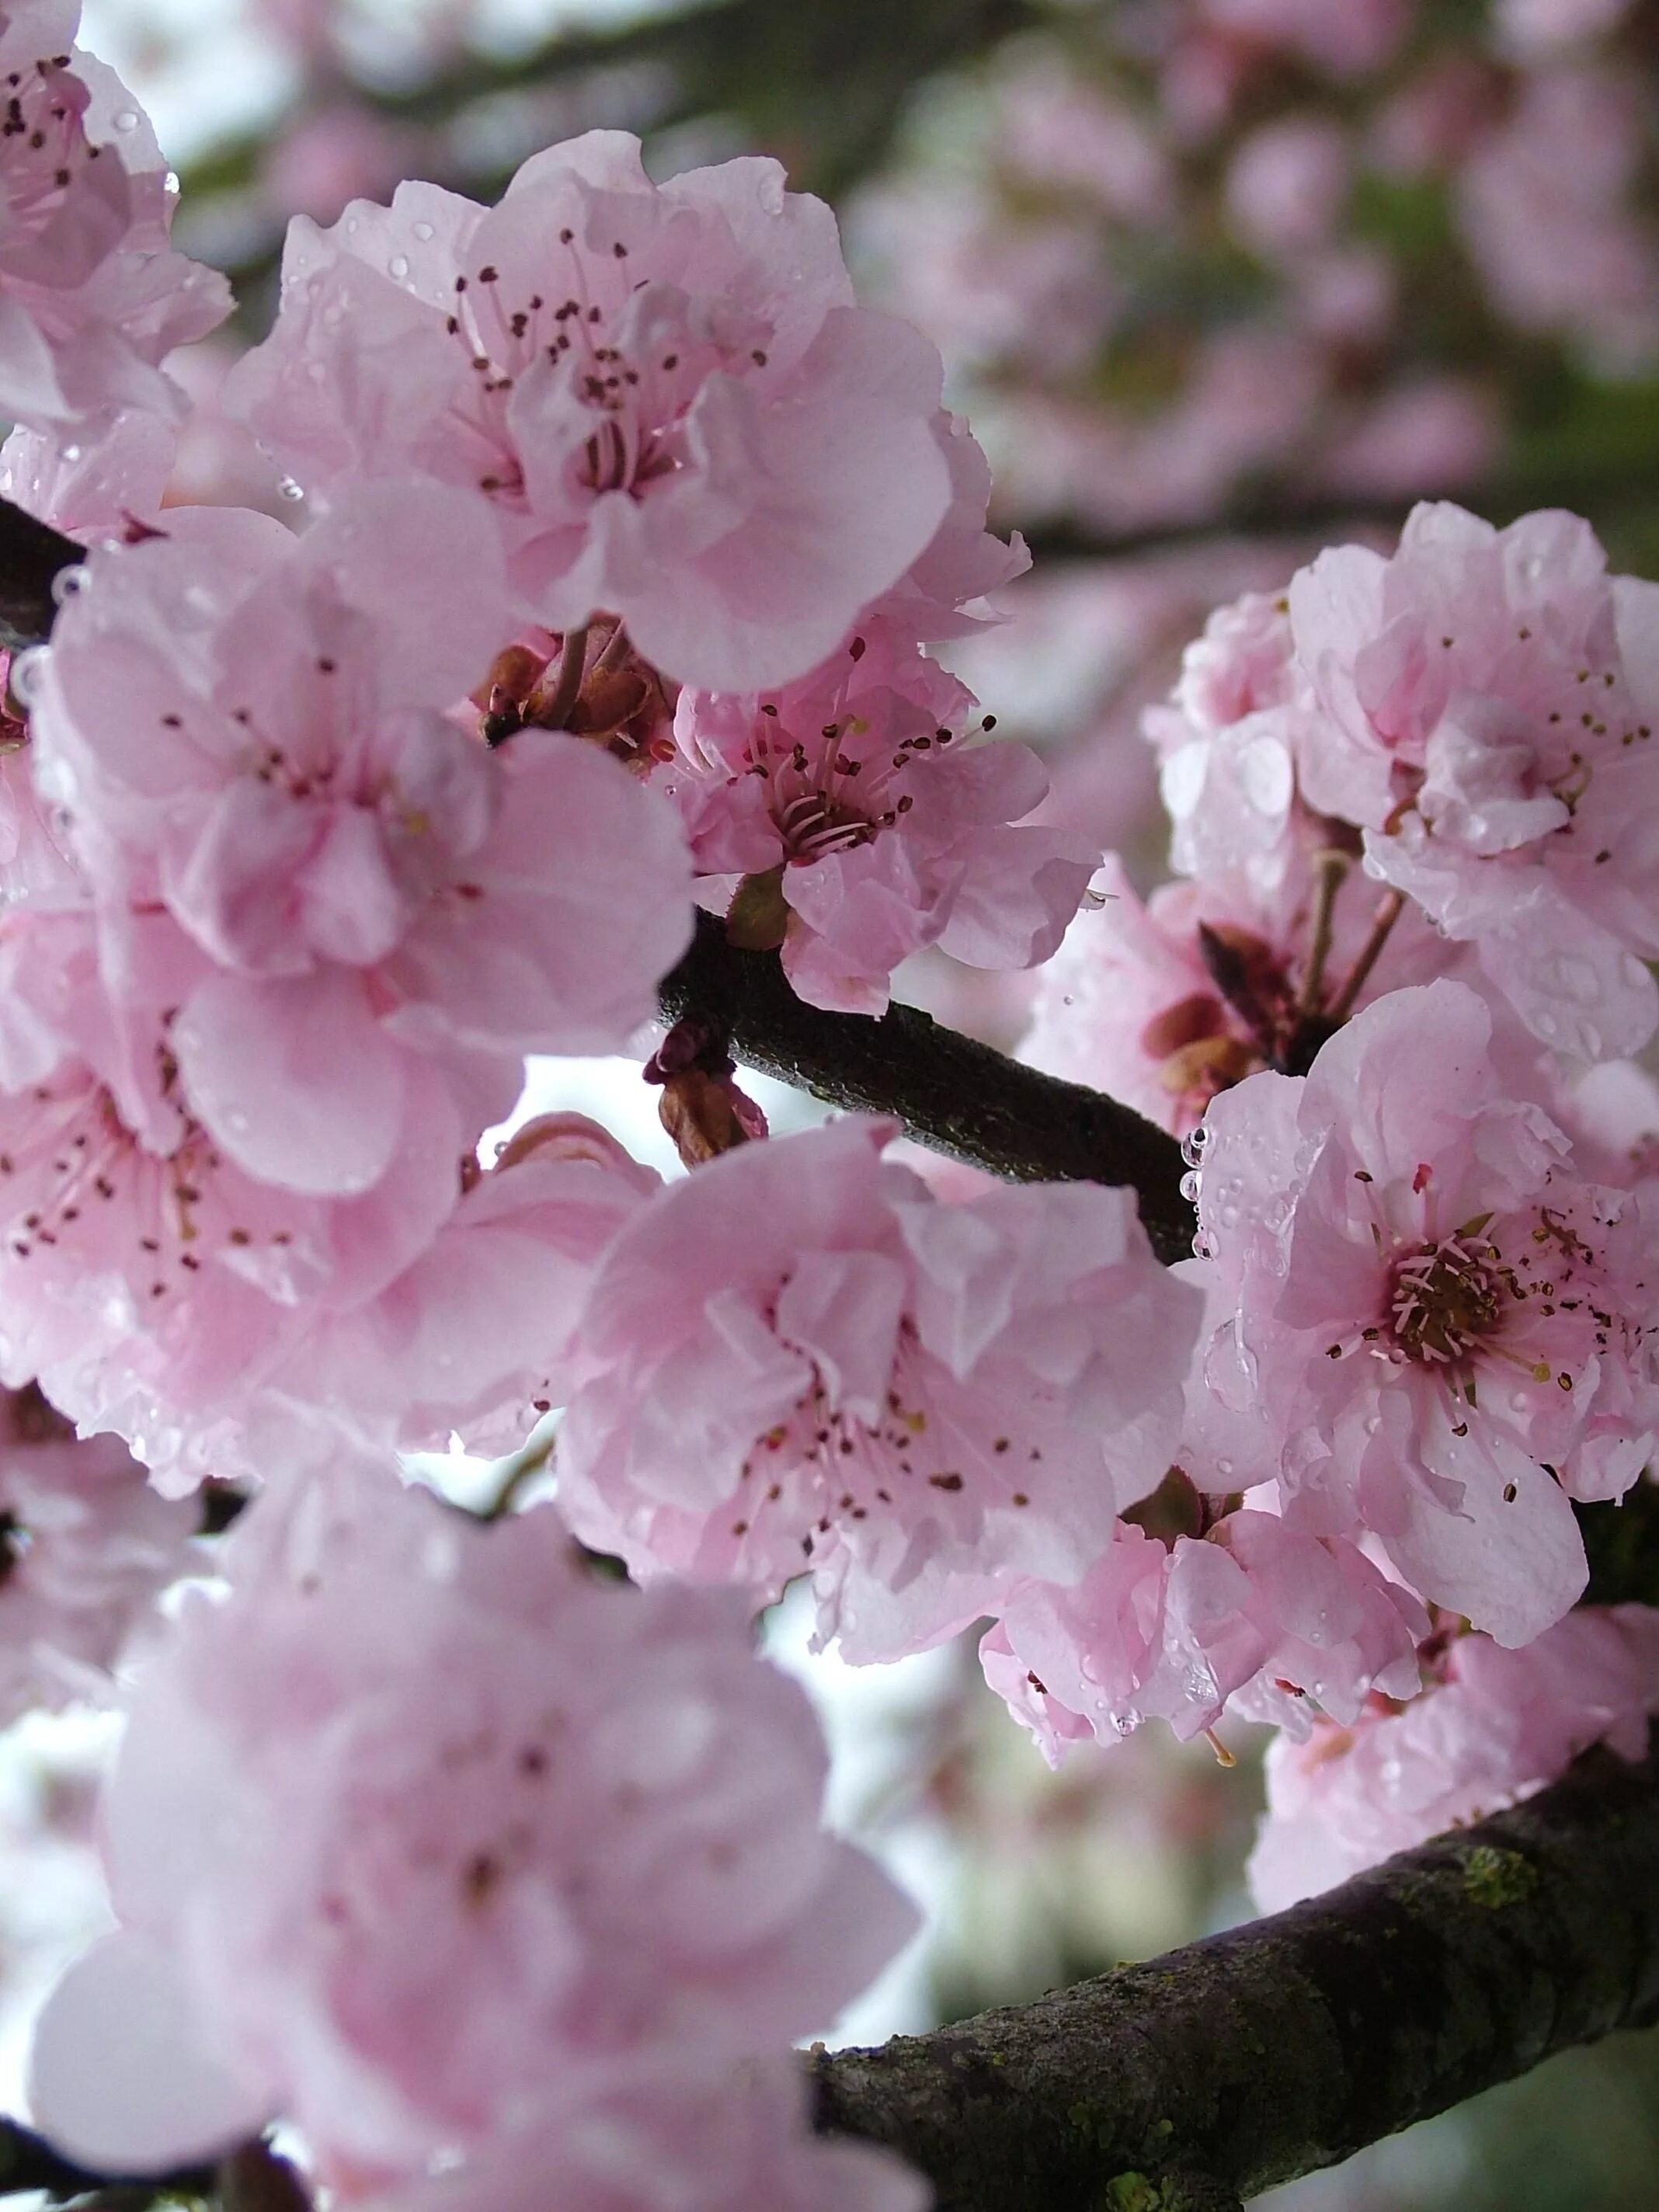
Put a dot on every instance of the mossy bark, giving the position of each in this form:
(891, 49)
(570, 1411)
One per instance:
(1286, 2044)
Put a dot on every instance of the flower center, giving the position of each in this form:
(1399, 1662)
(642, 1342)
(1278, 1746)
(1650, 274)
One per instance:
(1444, 1299)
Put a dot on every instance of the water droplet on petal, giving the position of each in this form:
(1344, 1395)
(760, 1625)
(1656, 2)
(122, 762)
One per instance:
(68, 583)
(398, 266)
(127, 120)
(290, 489)
(425, 231)
(28, 668)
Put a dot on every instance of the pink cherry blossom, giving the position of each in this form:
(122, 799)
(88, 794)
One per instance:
(92, 296)
(1422, 1322)
(1488, 703)
(1499, 1726)
(1165, 1003)
(1252, 1617)
(149, 1282)
(1227, 741)
(91, 486)
(798, 1358)
(890, 829)
(364, 896)
(87, 1545)
(1530, 28)
(673, 2140)
(1287, 184)
(1546, 203)
(663, 396)
(1345, 40)
(420, 1831)
(474, 1337)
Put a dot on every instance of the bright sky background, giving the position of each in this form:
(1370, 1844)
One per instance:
(207, 70)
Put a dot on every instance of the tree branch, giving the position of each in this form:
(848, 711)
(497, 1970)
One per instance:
(29, 2163)
(31, 555)
(1289, 2043)
(951, 1092)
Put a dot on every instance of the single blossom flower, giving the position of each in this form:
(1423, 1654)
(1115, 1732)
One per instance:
(248, 733)
(867, 825)
(663, 396)
(1495, 1727)
(797, 1359)
(1487, 705)
(1165, 1003)
(147, 1279)
(419, 1829)
(92, 294)
(474, 1337)
(1424, 1322)
(1251, 1617)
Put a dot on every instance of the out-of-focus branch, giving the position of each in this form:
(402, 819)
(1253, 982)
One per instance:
(1626, 490)
(951, 1092)
(1286, 2044)
(822, 84)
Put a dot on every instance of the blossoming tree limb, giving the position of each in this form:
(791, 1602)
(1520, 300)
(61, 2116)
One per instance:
(1257, 2055)
(596, 682)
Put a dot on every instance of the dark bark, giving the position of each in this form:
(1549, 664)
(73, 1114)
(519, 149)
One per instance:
(27, 2161)
(953, 1093)
(1286, 2044)
(31, 555)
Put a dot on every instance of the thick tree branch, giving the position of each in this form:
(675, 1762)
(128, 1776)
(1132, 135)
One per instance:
(951, 1092)
(1286, 2044)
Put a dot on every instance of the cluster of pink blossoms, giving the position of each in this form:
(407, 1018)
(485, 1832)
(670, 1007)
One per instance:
(490, 1862)
(1176, 256)
(310, 839)
(1383, 999)
(627, 532)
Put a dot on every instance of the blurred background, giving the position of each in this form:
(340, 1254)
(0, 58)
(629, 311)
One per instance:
(1219, 282)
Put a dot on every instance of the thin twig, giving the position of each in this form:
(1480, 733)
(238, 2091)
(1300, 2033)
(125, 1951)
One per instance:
(1330, 873)
(567, 685)
(1387, 912)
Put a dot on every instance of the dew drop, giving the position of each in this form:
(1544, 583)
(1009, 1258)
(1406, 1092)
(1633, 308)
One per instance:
(71, 453)
(425, 231)
(68, 583)
(28, 668)
(398, 266)
(290, 489)
(1190, 1185)
(127, 120)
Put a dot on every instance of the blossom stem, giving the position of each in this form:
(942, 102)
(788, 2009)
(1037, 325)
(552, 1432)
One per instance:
(1389, 907)
(613, 652)
(1330, 872)
(567, 685)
